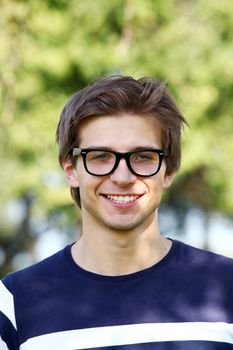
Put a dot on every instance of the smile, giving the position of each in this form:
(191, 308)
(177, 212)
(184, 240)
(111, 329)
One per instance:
(123, 199)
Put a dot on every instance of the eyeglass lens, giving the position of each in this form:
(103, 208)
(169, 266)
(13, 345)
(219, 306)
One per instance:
(142, 162)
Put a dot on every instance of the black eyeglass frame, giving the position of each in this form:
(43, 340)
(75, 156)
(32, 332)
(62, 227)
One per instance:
(76, 152)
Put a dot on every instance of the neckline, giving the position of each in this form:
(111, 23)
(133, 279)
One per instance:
(121, 278)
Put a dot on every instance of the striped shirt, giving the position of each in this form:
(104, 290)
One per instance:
(184, 302)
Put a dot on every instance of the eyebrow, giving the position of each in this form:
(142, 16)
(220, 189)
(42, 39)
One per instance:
(135, 149)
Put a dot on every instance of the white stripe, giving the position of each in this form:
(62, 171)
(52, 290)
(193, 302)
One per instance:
(3, 345)
(131, 334)
(7, 304)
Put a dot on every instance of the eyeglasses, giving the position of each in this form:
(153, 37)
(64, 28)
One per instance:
(101, 162)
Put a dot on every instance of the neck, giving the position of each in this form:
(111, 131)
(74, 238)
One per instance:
(110, 252)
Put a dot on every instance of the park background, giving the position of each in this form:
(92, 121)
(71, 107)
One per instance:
(49, 49)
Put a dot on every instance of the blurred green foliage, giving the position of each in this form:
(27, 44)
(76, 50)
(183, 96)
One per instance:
(49, 49)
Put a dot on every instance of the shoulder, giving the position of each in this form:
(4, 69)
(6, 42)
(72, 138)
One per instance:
(198, 253)
(44, 269)
(202, 260)
(25, 287)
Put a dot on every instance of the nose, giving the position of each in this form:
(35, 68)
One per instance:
(122, 175)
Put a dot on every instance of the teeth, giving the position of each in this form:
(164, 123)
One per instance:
(122, 199)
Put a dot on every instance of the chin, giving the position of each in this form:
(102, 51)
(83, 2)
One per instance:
(123, 226)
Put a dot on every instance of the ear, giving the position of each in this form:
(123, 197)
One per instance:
(167, 181)
(70, 173)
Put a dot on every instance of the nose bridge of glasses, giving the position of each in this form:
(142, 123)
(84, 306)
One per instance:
(122, 157)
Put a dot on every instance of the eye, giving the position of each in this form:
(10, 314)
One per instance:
(100, 156)
(145, 156)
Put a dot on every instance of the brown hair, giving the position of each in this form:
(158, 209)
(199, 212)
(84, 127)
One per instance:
(116, 95)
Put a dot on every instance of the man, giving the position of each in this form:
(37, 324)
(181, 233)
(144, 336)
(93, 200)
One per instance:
(121, 285)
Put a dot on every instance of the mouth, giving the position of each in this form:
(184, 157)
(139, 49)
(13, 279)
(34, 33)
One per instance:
(122, 199)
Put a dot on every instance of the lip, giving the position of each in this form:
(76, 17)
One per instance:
(128, 204)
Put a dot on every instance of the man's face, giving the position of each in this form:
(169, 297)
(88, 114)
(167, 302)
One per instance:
(120, 201)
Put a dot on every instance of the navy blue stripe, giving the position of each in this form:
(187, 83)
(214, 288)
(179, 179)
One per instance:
(8, 333)
(172, 345)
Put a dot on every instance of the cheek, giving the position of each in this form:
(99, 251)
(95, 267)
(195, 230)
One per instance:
(155, 186)
(156, 181)
(88, 184)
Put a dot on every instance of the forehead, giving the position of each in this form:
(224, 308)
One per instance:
(125, 131)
